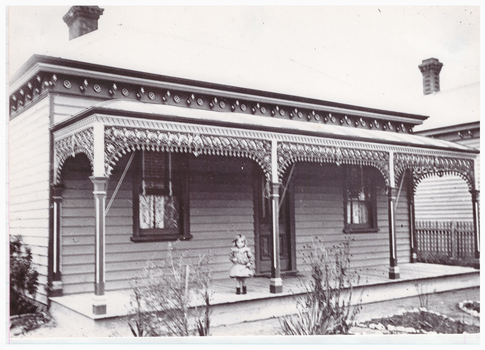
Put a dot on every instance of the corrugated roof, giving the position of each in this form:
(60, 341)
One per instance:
(450, 107)
(160, 53)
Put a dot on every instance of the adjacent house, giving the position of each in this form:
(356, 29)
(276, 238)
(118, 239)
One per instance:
(442, 202)
(118, 150)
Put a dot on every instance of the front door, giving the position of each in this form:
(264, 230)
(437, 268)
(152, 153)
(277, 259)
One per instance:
(263, 225)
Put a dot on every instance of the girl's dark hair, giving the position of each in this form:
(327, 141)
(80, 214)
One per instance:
(240, 237)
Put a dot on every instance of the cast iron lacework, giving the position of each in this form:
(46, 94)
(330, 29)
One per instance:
(119, 141)
(289, 153)
(81, 142)
(425, 166)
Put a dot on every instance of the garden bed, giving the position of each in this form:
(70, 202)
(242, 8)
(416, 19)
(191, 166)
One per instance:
(419, 321)
(24, 323)
(470, 307)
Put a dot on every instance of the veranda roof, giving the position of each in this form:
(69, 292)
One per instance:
(125, 108)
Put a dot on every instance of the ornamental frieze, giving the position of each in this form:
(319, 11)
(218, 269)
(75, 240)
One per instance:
(29, 93)
(81, 142)
(119, 141)
(158, 92)
(289, 153)
(424, 166)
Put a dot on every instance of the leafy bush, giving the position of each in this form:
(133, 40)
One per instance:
(23, 277)
(326, 306)
(162, 297)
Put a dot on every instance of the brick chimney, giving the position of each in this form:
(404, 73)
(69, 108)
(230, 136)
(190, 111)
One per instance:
(82, 20)
(430, 69)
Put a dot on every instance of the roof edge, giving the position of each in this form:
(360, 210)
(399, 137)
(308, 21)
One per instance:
(22, 75)
(104, 110)
(449, 128)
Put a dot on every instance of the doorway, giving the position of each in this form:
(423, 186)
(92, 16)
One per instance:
(263, 226)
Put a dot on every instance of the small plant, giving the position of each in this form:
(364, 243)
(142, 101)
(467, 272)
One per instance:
(163, 296)
(23, 277)
(202, 284)
(140, 324)
(422, 295)
(326, 307)
(34, 321)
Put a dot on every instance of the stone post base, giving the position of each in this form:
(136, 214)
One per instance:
(56, 289)
(99, 305)
(394, 272)
(275, 285)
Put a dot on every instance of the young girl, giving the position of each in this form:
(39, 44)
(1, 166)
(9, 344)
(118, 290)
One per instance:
(242, 258)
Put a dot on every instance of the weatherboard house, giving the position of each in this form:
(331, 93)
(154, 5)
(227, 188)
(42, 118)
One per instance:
(118, 150)
(445, 199)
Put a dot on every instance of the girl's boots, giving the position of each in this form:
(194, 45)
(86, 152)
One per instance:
(244, 290)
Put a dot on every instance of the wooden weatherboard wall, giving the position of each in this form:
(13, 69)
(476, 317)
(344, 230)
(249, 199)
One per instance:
(221, 206)
(29, 141)
(65, 106)
(319, 216)
(447, 198)
(444, 198)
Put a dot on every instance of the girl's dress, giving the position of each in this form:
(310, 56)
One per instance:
(240, 257)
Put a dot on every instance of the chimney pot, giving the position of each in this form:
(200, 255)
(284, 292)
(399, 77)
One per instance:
(82, 20)
(430, 69)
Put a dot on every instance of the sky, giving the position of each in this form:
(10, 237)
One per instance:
(376, 47)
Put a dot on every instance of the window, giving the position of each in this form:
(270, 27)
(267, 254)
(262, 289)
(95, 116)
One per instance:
(360, 200)
(160, 203)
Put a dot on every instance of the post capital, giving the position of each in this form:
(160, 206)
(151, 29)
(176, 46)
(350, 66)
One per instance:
(100, 183)
(57, 190)
(275, 189)
(392, 192)
(475, 194)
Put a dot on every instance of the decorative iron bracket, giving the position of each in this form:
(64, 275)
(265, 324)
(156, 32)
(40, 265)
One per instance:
(290, 152)
(424, 166)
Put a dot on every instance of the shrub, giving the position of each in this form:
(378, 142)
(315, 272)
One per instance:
(326, 306)
(163, 295)
(23, 277)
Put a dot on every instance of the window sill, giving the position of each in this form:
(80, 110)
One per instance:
(360, 230)
(159, 238)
